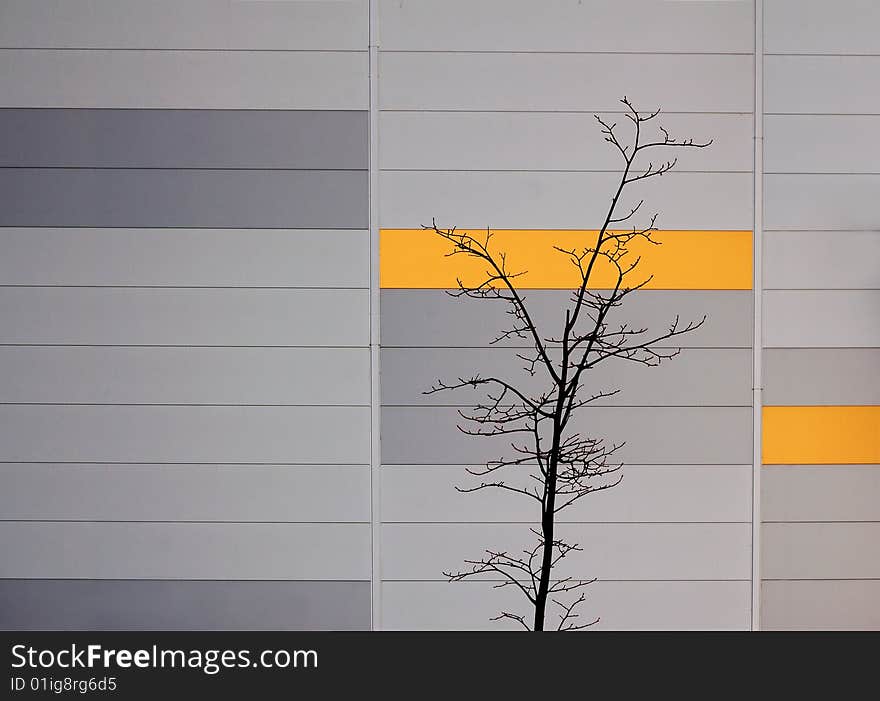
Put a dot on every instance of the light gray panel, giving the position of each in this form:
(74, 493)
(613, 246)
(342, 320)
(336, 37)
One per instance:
(565, 81)
(849, 318)
(289, 199)
(821, 605)
(82, 605)
(186, 257)
(648, 493)
(184, 434)
(821, 84)
(194, 24)
(821, 202)
(820, 550)
(184, 79)
(821, 143)
(184, 138)
(610, 551)
(820, 493)
(184, 316)
(297, 493)
(78, 375)
(838, 376)
(824, 259)
(617, 605)
(548, 141)
(819, 26)
(185, 551)
(517, 200)
(433, 318)
(562, 25)
(655, 435)
(408, 372)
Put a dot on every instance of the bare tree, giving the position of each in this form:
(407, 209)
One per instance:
(549, 462)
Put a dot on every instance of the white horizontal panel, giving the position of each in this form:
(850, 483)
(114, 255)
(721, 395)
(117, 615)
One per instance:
(194, 24)
(822, 259)
(562, 200)
(826, 143)
(523, 81)
(184, 434)
(548, 141)
(821, 202)
(609, 551)
(821, 84)
(298, 493)
(77, 375)
(617, 605)
(845, 604)
(427, 493)
(822, 318)
(820, 493)
(184, 551)
(564, 25)
(820, 551)
(185, 257)
(183, 79)
(184, 316)
(820, 26)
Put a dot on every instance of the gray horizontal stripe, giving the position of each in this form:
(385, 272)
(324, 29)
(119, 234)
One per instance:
(184, 79)
(612, 551)
(191, 376)
(832, 376)
(837, 144)
(257, 139)
(184, 317)
(821, 84)
(408, 373)
(483, 81)
(548, 141)
(74, 604)
(820, 550)
(176, 198)
(194, 493)
(326, 435)
(281, 258)
(433, 318)
(659, 435)
(647, 493)
(324, 551)
(820, 493)
(820, 605)
(834, 202)
(529, 200)
(800, 26)
(194, 24)
(629, 605)
(850, 319)
(821, 259)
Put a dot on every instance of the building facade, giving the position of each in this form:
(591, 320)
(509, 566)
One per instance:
(220, 310)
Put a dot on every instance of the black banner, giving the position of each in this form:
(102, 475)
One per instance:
(146, 665)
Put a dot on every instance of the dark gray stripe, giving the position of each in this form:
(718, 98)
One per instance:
(725, 377)
(433, 318)
(191, 198)
(73, 604)
(653, 435)
(96, 138)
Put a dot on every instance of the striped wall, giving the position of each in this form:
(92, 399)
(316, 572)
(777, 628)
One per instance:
(495, 129)
(184, 288)
(821, 479)
(210, 208)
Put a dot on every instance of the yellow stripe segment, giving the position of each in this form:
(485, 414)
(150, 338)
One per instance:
(686, 260)
(810, 435)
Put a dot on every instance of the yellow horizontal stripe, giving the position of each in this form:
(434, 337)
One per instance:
(795, 435)
(686, 260)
